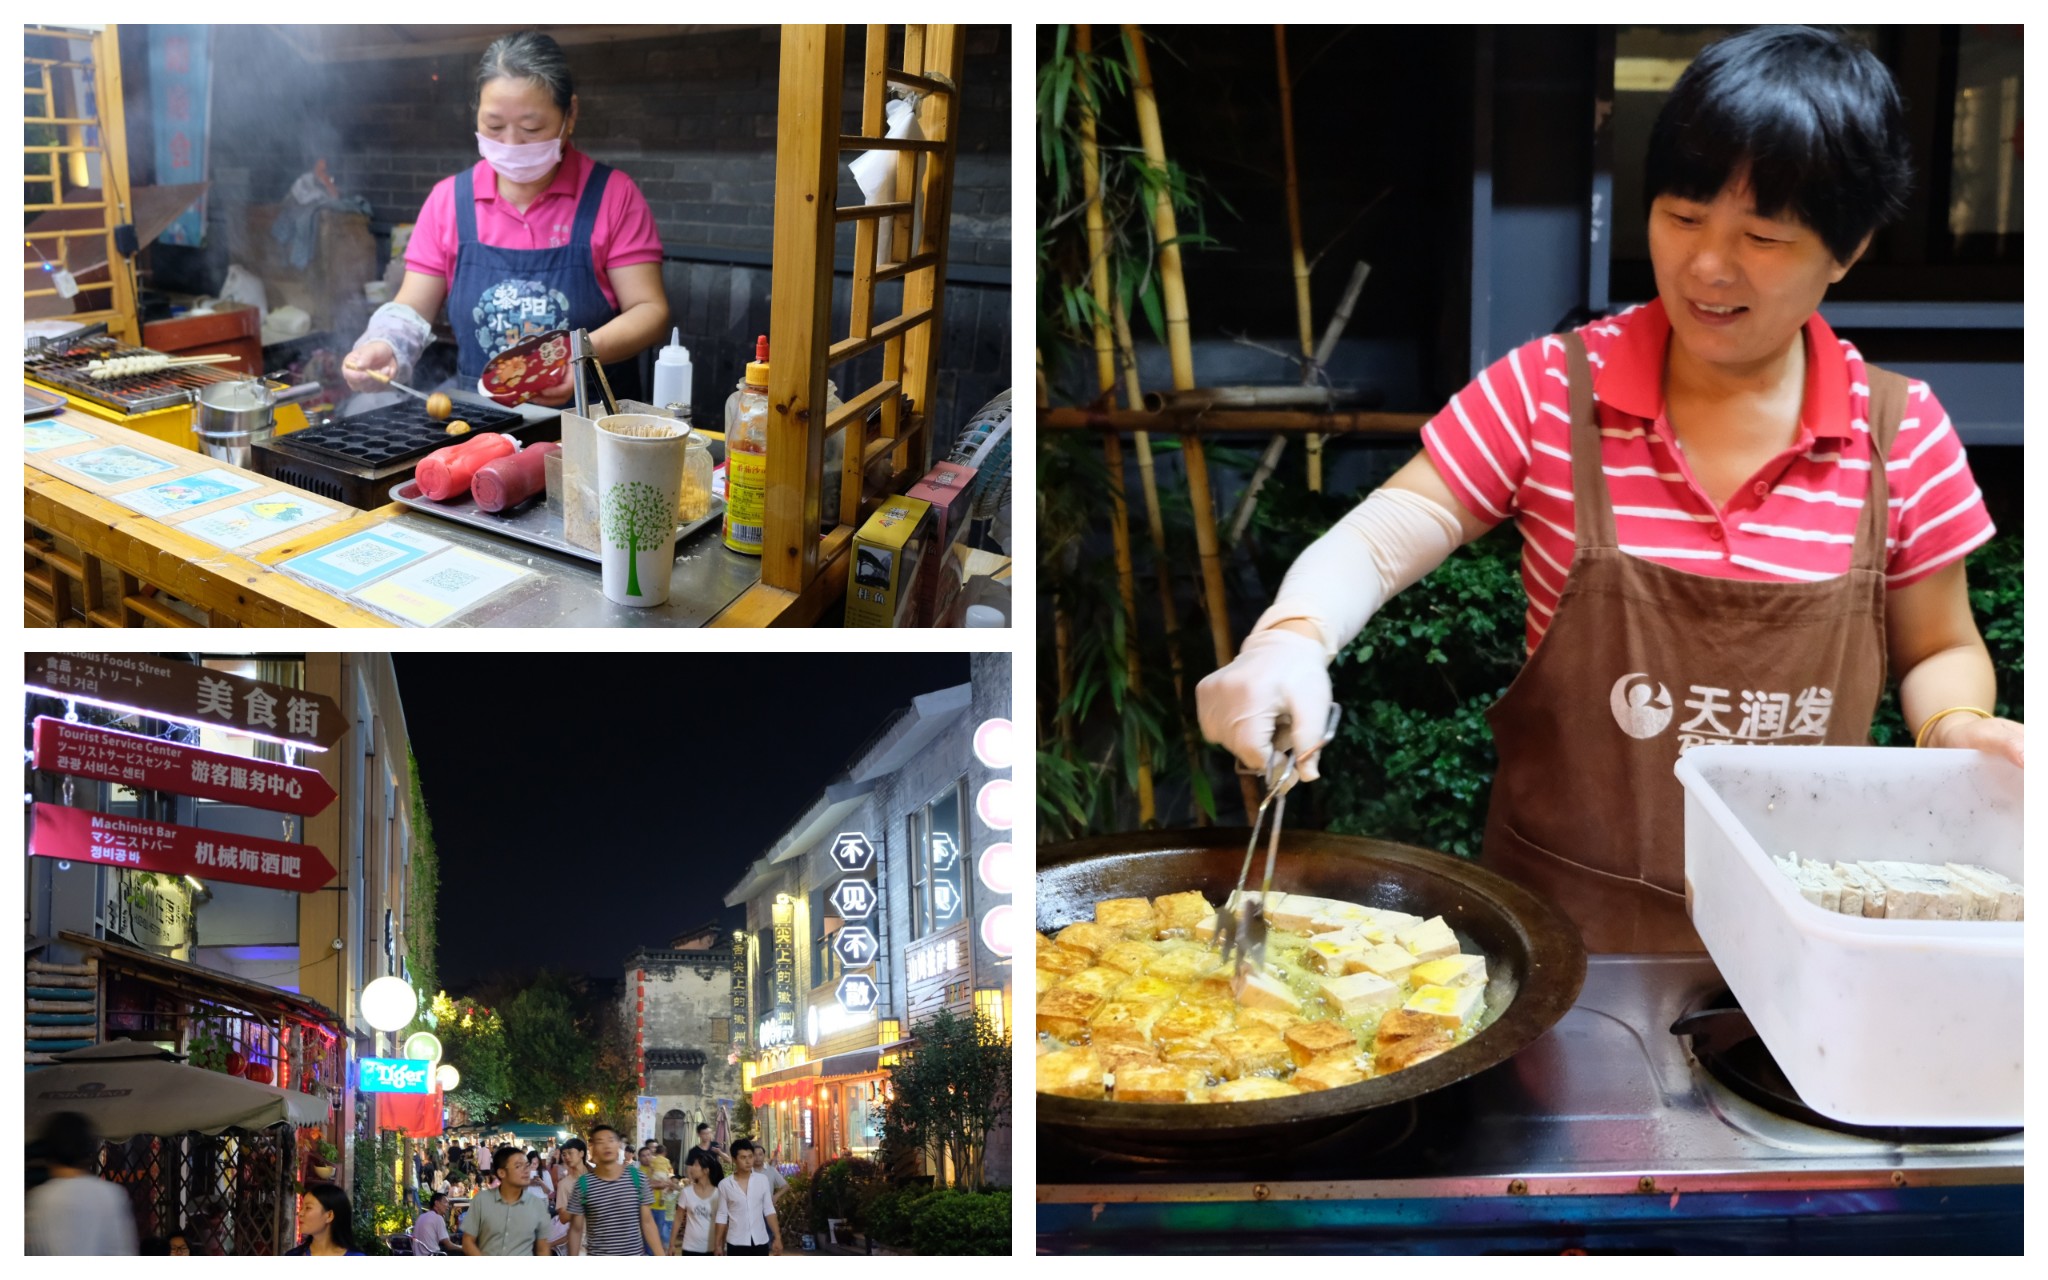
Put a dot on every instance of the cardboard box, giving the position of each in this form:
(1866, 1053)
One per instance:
(949, 487)
(888, 554)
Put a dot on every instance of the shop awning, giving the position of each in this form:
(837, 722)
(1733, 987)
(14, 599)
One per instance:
(793, 1081)
(130, 1087)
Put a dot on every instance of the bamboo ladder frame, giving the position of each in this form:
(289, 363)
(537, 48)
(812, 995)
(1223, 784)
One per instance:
(105, 135)
(799, 571)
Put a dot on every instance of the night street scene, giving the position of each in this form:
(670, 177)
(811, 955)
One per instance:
(443, 954)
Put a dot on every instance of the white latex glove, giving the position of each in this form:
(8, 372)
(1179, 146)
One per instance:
(390, 345)
(1277, 670)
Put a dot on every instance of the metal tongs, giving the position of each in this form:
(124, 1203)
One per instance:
(581, 353)
(1241, 931)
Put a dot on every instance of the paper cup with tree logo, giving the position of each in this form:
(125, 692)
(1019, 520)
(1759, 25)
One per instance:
(639, 468)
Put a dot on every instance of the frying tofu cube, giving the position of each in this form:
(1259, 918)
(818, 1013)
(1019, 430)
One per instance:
(1056, 958)
(1453, 1008)
(1403, 1054)
(1263, 991)
(1452, 971)
(1131, 917)
(1159, 1084)
(1071, 1073)
(1401, 1025)
(1180, 911)
(1338, 958)
(1250, 1051)
(1123, 1016)
(1273, 1019)
(1430, 940)
(1089, 936)
(1063, 1012)
(1295, 912)
(1183, 962)
(1205, 929)
(1251, 1089)
(1357, 995)
(1388, 961)
(1129, 956)
(1869, 890)
(1313, 1040)
(1115, 1057)
(1146, 990)
(2011, 897)
(1046, 981)
(1330, 1073)
(1103, 1034)
(1394, 921)
(1098, 981)
(1342, 915)
(1205, 1058)
(1213, 989)
(1196, 1022)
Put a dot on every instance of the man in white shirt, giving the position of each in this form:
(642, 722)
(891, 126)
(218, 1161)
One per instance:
(76, 1211)
(746, 1209)
(430, 1235)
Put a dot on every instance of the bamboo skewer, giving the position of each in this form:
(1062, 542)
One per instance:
(1180, 352)
(1105, 378)
(149, 362)
(1302, 316)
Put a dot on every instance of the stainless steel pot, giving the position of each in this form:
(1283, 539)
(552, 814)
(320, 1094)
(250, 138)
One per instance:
(230, 417)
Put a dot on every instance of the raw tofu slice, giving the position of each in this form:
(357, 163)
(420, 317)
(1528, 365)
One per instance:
(1852, 893)
(1918, 891)
(1453, 1008)
(1338, 958)
(1097, 981)
(1819, 886)
(1146, 990)
(1183, 962)
(1090, 937)
(1060, 959)
(1197, 1022)
(2011, 897)
(1331, 1073)
(1357, 995)
(1295, 912)
(1314, 1040)
(1123, 1016)
(1251, 1051)
(1402, 1054)
(1063, 1012)
(1980, 900)
(1180, 911)
(1263, 991)
(1071, 1073)
(1251, 1089)
(1394, 963)
(1129, 956)
(1869, 890)
(1430, 940)
(1130, 916)
(1159, 1084)
(1276, 1019)
(1452, 971)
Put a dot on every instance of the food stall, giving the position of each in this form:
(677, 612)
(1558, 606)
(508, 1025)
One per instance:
(168, 490)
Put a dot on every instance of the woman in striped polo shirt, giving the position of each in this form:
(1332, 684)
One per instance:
(1731, 524)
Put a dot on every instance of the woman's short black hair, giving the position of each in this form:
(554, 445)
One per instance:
(1815, 119)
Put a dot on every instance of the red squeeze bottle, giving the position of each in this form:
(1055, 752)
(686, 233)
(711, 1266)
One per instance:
(507, 482)
(445, 473)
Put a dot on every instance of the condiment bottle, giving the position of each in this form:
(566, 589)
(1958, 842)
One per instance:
(672, 372)
(746, 461)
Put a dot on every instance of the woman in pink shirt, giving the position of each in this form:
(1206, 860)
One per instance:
(1732, 527)
(535, 237)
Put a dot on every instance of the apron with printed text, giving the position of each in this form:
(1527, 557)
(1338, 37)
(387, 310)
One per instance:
(500, 297)
(1642, 662)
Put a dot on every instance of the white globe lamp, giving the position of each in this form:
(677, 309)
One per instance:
(448, 1078)
(389, 1003)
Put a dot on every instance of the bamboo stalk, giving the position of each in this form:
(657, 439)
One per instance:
(1105, 378)
(1259, 397)
(1061, 636)
(1302, 315)
(1181, 355)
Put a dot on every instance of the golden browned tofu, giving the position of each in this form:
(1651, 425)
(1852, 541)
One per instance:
(1400, 1024)
(1115, 1057)
(1330, 1073)
(1047, 979)
(1272, 1019)
(1183, 962)
(1206, 1058)
(1403, 1054)
(1090, 937)
(1131, 957)
(1179, 913)
(1158, 1084)
(1071, 1073)
(1131, 917)
(1312, 1040)
(1146, 989)
(1199, 1022)
(1213, 989)
(1063, 1013)
(1122, 1014)
(1061, 959)
(1097, 981)
(1251, 1051)
(1251, 1089)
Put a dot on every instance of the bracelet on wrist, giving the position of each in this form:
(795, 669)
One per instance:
(1920, 738)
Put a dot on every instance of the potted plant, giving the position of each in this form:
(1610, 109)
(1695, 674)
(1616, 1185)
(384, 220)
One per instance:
(325, 1158)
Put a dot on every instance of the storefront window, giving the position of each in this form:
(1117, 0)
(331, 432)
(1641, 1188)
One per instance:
(825, 966)
(938, 886)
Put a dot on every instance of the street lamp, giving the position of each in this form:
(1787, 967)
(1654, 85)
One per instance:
(590, 1106)
(389, 1003)
(448, 1078)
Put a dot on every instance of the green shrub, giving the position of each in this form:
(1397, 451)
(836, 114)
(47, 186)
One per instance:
(793, 1210)
(861, 1214)
(835, 1189)
(963, 1222)
(893, 1213)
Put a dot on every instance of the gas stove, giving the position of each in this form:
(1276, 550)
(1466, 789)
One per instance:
(1605, 1134)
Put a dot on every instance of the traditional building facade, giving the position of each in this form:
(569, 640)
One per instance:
(679, 1004)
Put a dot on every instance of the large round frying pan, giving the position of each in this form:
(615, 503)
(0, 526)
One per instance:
(1535, 965)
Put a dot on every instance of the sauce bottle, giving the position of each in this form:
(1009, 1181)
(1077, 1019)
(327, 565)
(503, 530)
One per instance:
(746, 460)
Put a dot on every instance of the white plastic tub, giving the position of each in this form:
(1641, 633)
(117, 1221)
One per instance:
(1875, 1022)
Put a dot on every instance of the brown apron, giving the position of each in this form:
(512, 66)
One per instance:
(1641, 662)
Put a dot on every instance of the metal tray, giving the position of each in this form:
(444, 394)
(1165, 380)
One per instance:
(530, 522)
(40, 404)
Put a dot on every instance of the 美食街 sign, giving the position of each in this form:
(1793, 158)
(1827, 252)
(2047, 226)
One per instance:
(152, 764)
(395, 1075)
(186, 691)
(141, 844)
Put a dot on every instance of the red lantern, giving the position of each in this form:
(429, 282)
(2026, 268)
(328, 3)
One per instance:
(259, 1072)
(236, 1062)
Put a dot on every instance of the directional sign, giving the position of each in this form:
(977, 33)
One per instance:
(856, 946)
(946, 902)
(142, 845)
(152, 764)
(192, 693)
(855, 899)
(853, 851)
(944, 852)
(857, 993)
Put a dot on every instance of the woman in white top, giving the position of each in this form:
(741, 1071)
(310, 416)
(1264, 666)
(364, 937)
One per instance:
(568, 1231)
(696, 1207)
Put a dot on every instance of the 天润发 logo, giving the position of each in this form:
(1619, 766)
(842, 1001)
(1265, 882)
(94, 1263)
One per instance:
(1641, 706)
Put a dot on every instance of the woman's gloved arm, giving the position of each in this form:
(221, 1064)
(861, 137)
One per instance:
(398, 331)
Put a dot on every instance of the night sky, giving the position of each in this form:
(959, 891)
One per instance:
(587, 804)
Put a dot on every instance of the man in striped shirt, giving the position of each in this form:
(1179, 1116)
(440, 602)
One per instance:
(614, 1202)
(1731, 525)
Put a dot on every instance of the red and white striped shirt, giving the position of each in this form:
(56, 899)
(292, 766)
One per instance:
(1503, 444)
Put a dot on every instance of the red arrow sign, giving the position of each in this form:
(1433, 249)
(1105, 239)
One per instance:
(142, 845)
(152, 764)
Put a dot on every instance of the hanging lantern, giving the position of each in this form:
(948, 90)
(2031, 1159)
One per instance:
(389, 1003)
(448, 1078)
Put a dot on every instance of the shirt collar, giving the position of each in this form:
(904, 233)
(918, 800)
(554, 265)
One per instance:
(1632, 379)
(568, 177)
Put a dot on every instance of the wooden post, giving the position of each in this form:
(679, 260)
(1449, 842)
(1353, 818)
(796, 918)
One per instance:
(937, 115)
(1180, 353)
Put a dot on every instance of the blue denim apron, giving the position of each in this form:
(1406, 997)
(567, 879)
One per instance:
(501, 297)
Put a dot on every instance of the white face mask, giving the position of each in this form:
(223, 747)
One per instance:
(522, 161)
